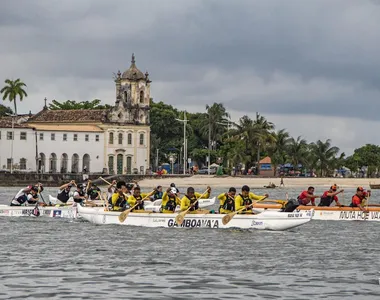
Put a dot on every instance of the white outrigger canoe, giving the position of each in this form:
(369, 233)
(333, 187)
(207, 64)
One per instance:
(68, 212)
(268, 220)
(331, 213)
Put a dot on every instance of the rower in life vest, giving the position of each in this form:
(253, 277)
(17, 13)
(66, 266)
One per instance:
(157, 194)
(245, 199)
(307, 196)
(330, 196)
(119, 198)
(64, 192)
(23, 196)
(136, 198)
(227, 201)
(169, 201)
(188, 201)
(79, 194)
(360, 198)
(93, 192)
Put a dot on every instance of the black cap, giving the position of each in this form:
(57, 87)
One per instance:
(172, 185)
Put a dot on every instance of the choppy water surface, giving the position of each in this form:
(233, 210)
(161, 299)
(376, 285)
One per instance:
(43, 258)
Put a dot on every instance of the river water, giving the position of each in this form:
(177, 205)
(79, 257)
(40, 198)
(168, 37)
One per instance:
(44, 258)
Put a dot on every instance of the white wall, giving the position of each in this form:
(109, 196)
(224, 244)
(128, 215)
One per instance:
(95, 149)
(21, 148)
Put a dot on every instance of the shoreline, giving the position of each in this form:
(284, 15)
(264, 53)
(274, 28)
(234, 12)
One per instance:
(229, 181)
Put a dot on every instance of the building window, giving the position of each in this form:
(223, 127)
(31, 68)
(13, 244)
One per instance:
(97, 138)
(52, 136)
(110, 164)
(9, 135)
(141, 97)
(129, 138)
(9, 163)
(23, 136)
(110, 138)
(75, 138)
(86, 138)
(65, 137)
(41, 136)
(22, 164)
(120, 138)
(141, 139)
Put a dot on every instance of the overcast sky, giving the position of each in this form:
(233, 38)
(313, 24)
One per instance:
(312, 66)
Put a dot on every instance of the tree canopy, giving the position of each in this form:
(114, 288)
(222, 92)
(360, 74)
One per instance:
(70, 105)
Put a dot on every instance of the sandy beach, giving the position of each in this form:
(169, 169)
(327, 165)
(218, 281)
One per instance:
(205, 180)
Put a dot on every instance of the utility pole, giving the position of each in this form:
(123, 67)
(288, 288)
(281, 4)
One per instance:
(209, 145)
(157, 159)
(258, 147)
(184, 141)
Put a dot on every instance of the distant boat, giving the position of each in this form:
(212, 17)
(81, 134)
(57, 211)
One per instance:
(374, 186)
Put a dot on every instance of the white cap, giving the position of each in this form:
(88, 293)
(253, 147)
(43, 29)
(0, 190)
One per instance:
(173, 190)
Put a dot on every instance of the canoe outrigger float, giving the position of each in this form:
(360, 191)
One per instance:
(45, 211)
(332, 213)
(268, 220)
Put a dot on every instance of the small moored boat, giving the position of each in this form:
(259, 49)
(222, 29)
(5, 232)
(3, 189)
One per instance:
(268, 220)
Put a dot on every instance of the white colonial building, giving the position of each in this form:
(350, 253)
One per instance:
(115, 140)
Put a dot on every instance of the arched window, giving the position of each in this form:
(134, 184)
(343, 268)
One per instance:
(86, 163)
(141, 97)
(41, 163)
(64, 163)
(110, 140)
(141, 139)
(75, 163)
(110, 164)
(129, 138)
(120, 138)
(53, 163)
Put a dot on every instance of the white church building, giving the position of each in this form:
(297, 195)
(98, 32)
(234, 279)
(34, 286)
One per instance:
(114, 141)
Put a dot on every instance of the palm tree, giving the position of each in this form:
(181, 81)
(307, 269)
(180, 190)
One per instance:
(267, 137)
(213, 126)
(12, 89)
(297, 149)
(325, 154)
(277, 150)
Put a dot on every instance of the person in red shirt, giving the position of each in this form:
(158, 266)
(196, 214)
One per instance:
(358, 200)
(307, 196)
(330, 196)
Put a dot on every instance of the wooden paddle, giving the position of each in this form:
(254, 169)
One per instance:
(125, 213)
(181, 216)
(228, 217)
(109, 183)
(104, 202)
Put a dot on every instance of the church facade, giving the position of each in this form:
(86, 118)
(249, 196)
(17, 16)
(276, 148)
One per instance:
(114, 141)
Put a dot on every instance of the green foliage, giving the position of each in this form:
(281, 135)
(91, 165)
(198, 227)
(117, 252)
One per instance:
(4, 110)
(12, 90)
(70, 105)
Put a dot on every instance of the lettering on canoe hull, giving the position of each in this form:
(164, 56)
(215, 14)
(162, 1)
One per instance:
(359, 215)
(194, 223)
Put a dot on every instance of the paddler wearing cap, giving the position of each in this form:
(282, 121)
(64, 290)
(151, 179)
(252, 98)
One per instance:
(170, 201)
(227, 201)
(188, 201)
(359, 199)
(245, 199)
(330, 196)
(64, 192)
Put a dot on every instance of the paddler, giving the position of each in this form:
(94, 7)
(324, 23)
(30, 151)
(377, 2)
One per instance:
(136, 198)
(22, 196)
(191, 196)
(330, 196)
(33, 196)
(170, 201)
(157, 193)
(93, 192)
(245, 199)
(359, 199)
(79, 194)
(119, 198)
(307, 196)
(111, 189)
(227, 201)
(64, 192)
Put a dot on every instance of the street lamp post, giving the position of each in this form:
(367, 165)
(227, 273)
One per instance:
(184, 141)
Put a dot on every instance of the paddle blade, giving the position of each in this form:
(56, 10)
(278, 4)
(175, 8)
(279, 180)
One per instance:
(226, 219)
(180, 218)
(124, 215)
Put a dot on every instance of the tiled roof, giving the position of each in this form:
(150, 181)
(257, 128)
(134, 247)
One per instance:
(19, 122)
(265, 160)
(64, 116)
(67, 127)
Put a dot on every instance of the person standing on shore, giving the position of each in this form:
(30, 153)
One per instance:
(330, 196)
(307, 196)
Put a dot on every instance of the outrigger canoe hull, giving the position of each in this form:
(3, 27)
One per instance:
(68, 212)
(332, 213)
(269, 220)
